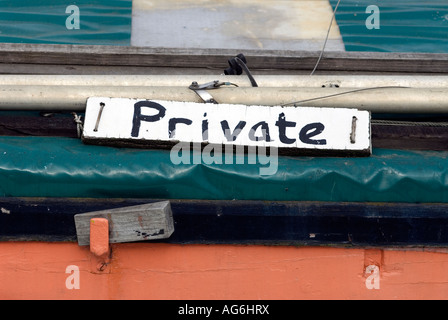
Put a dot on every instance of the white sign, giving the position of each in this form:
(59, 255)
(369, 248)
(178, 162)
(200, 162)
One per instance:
(156, 122)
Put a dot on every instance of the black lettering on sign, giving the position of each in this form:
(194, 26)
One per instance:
(236, 131)
(205, 128)
(264, 131)
(282, 124)
(172, 125)
(138, 117)
(311, 130)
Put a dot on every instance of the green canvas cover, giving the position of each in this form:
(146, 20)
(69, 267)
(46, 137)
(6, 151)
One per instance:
(66, 167)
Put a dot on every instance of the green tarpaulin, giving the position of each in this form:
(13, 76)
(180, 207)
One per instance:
(65, 167)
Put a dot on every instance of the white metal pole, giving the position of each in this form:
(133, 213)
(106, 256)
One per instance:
(388, 100)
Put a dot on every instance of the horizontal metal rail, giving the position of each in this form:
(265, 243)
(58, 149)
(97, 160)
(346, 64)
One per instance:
(388, 99)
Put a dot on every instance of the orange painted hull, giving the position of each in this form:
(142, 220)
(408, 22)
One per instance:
(64, 270)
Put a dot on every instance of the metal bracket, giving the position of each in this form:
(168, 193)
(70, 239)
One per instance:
(201, 90)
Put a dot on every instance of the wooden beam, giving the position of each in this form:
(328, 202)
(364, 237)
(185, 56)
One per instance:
(43, 125)
(81, 55)
(400, 136)
(406, 137)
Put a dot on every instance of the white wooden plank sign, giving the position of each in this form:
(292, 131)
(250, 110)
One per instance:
(155, 123)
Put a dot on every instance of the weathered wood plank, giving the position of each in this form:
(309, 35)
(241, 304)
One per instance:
(131, 223)
(64, 69)
(60, 69)
(49, 125)
(217, 58)
(405, 137)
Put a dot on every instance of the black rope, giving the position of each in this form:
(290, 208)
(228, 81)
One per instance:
(248, 73)
(237, 65)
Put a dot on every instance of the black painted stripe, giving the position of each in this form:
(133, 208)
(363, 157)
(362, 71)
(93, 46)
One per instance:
(244, 222)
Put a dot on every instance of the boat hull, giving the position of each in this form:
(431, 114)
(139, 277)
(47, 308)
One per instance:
(161, 271)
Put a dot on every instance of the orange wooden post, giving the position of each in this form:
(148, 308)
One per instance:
(99, 236)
